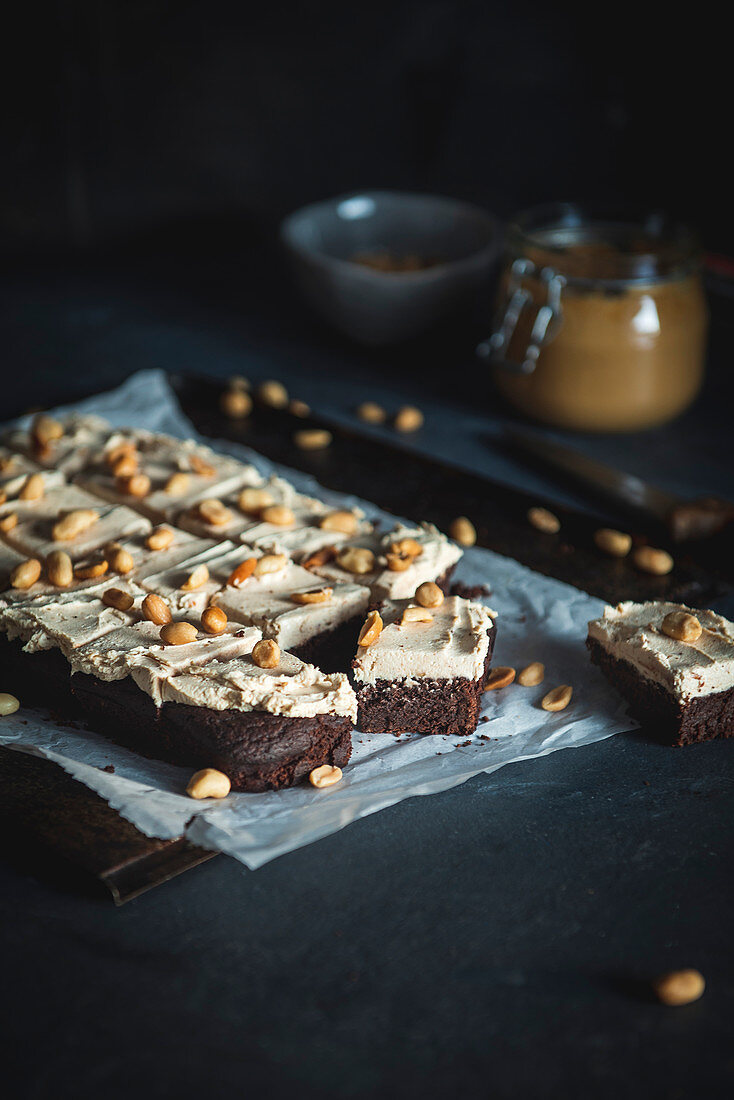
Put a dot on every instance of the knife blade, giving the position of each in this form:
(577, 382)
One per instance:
(684, 519)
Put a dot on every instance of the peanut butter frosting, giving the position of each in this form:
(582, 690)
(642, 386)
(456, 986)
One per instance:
(15, 469)
(82, 439)
(632, 632)
(453, 644)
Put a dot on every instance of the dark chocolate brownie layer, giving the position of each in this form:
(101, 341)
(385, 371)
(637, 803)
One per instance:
(257, 750)
(674, 722)
(333, 650)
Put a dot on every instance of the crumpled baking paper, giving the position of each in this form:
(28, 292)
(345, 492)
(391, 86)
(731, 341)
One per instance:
(539, 620)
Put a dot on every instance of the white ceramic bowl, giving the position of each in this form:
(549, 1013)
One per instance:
(381, 307)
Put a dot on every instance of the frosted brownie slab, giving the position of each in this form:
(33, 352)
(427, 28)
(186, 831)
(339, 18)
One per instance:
(673, 664)
(15, 470)
(425, 671)
(81, 438)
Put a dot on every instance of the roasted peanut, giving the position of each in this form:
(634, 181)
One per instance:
(115, 597)
(499, 677)
(371, 413)
(8, 704)
(398, 563)
(160, 538)
(416, 615)
(343, 521)
(273, 393)
(241, 572)
(236, 404)
(356, 559)
(679, 987)
(177, 484)
(408, 419)
(429, 594)
(319, 557)
(200, 466)
(137, 485)
(682, 626)
(543, 520)
(45, 430)
(213, 620)
(253, 500)
(74, 524)
(8, 522)
(615, 543)
(279, 515)
(532, 675)
(196, 578)
(325, 776)
(120, 560)
(213, 512)
(558, 698)
(270, 563)
(88, 570)
(25, 573)
(299, 409)
(315, 595)
(463, 531)
(371, 629)
(156, 610)
(33, 488)
(59, 569)
(208, 783)
(651, 560)
(124, 448)
(126, 465)
(178, 633)
(312, 439)
(266, 653)
(408, 547)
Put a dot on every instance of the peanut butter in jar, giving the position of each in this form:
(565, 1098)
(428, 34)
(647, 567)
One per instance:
(602, 323)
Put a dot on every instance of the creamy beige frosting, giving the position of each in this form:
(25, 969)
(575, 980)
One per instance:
(15, 469)
(454, 644)
(632, 632)
(438, 555)
(83, 437)
(32, 535)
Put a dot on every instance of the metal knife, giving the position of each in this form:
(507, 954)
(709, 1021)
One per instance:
(684, 519)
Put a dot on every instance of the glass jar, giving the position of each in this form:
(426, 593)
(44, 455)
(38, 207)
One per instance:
(602, 321)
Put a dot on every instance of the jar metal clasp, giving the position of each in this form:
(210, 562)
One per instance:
(547, 319)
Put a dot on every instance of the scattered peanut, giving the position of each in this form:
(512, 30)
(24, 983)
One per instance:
(398, 563)
(236, 404)
(213, 620)
(213, 512)
(682, 626)
(270, 563)
(88, 570)
(558, 698)
(208, 783)
(115, 597)
(200, 466)
(325, 776)
(25, 573)
(160, 538)
(126, 465)
(314, 595)
(319, 557)
(429, 594)
(371, 413)
(679, 987)
(299, 409)
(615, 543)
(343, 521)
(178, 633)
(356, 559)
(196, 578)
(543, 520)
(177, 484)
(651, 560)
(8, 704)
(120, 560)
(273, 394)
(371, 629)
(279, 515)
(463, 531)
(312, 439)
(532, 675)
(74, 524)
(33, 488)
(137, 485)
(59, 569)
(409, 547)
(252, 500)
(416, 615)
(120, 450)
(266, 653)
(241, 572)
(499, 677)
(408, 419)
(156, 610)
(45, 430)
(8, 522)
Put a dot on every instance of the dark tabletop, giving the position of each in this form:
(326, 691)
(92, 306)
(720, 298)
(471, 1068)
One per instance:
(495, 940)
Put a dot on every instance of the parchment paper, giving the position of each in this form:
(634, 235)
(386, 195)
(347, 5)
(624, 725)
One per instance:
(539, 619)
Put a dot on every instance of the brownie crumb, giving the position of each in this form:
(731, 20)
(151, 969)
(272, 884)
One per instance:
(470, 591)
(109, 768)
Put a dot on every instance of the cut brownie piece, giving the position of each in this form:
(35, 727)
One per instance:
(425, 676)
(15, 469)
(684, 689)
